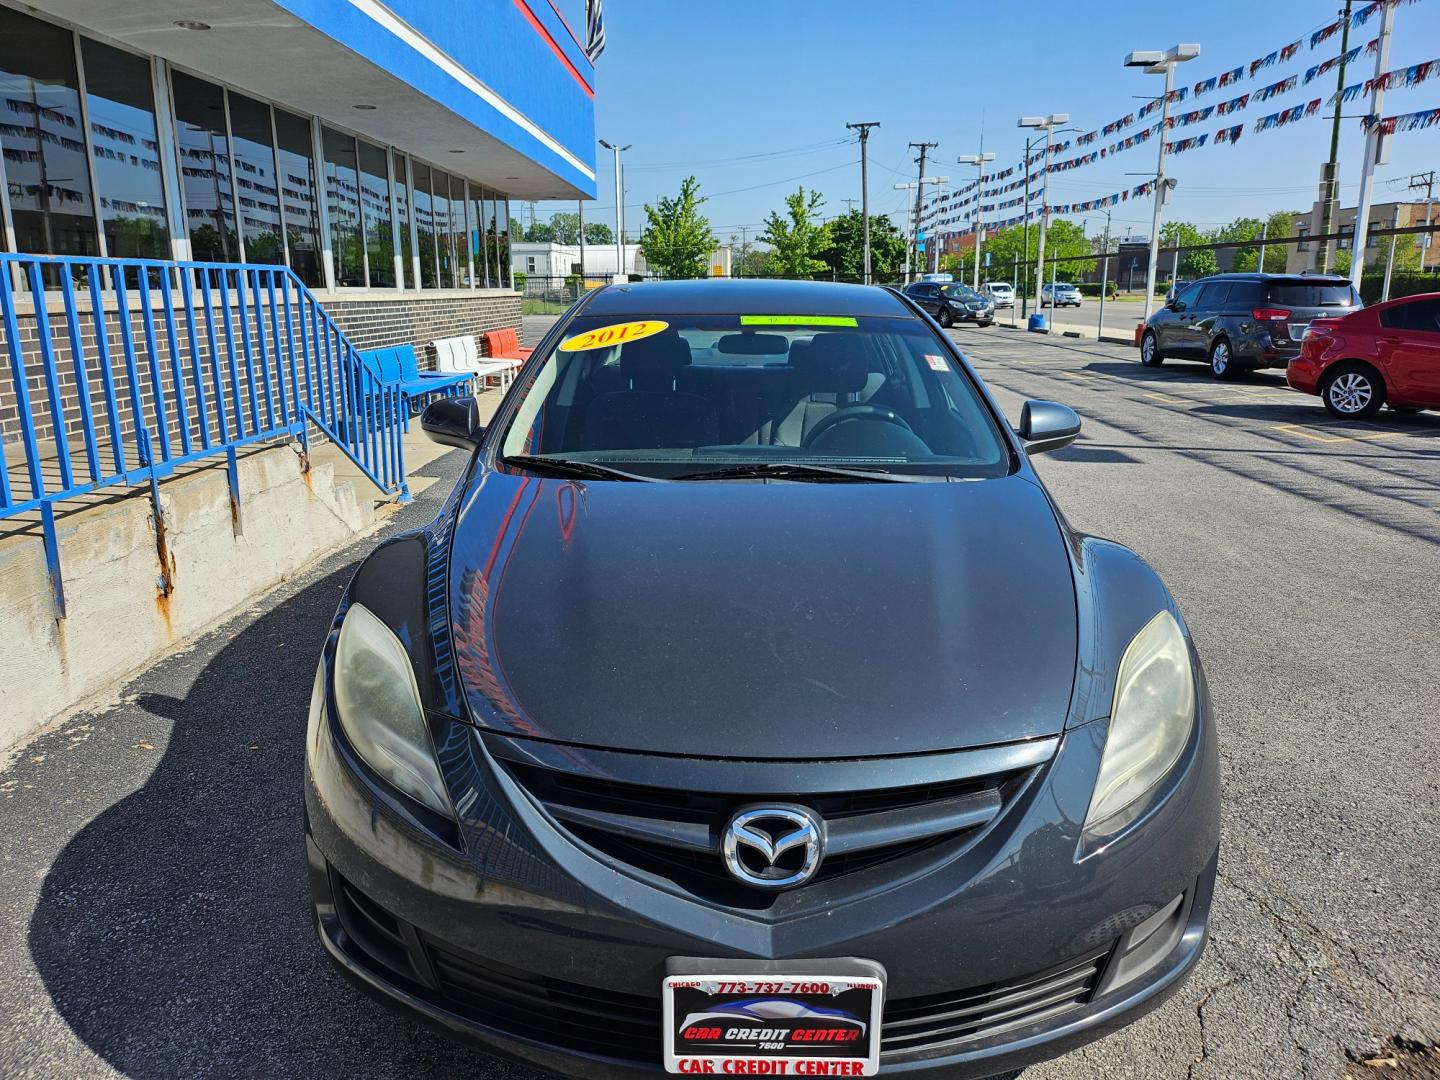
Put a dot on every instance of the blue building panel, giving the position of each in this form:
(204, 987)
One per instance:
(542, 75)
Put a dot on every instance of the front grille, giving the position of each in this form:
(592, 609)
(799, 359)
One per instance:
(588, 805)
(603, 1022)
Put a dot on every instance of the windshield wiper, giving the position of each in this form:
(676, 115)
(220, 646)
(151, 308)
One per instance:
(794, 470)
(571, 467)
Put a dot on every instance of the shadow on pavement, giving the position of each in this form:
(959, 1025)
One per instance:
(174, 931)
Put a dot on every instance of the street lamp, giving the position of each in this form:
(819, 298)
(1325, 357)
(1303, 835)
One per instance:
(619, 206)
(978, 160)
(1159, 63)
(1047, 124)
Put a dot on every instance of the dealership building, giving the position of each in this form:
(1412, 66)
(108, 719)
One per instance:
(373, 149)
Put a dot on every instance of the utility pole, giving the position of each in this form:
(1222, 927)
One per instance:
(1264, 232)
(1377, 148)
(1155, 62)
(863, 127)
(1427, 181)
(619, 208)
(924, 148)
(1024, 282)
(1330, 171)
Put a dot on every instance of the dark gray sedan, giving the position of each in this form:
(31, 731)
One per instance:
(751, 708)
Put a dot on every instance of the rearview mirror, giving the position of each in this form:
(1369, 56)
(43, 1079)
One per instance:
(454, 421)
(1047, 425)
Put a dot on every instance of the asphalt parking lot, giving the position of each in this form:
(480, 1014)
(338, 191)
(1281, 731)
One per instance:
(154, 914)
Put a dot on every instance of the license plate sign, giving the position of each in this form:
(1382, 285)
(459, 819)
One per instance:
(739, 1023)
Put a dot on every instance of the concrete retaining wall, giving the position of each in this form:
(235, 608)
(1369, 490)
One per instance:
(119, 619)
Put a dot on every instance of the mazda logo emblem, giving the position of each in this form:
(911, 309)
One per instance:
(773, 847)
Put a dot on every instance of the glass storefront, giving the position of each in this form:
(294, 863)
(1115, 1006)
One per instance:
(375, 203)
(125, 152)
(87, 173)
(296, 162)
(256, 191)
(46, 167)
(342, 201)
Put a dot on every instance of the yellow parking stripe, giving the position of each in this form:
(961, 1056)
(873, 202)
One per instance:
(1299, 429)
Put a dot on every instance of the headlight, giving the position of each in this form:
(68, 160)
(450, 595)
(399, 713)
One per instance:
(380, 710)
(1150, 720)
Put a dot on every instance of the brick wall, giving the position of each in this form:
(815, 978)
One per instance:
(368, 322)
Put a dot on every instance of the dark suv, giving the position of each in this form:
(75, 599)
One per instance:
(1240, 322)
(951, 302)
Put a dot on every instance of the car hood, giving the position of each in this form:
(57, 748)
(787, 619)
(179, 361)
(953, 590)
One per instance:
(763, 620)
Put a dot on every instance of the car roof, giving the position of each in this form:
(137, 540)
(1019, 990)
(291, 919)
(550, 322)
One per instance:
(745, 296)
(1309, 279)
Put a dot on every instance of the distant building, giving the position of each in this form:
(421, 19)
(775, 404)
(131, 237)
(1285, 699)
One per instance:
(562, 260)
(1301, 256)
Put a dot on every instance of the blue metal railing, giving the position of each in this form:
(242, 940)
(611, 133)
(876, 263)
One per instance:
(120, 370)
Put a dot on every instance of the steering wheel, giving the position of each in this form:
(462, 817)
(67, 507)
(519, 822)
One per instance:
(856, 412)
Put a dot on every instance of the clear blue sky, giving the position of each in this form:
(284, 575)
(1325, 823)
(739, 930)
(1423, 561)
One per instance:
(752, 96)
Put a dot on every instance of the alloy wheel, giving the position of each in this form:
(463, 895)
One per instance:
(1350, 393)
(1220, 359)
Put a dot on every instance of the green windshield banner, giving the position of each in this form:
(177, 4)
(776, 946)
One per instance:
(798, 320)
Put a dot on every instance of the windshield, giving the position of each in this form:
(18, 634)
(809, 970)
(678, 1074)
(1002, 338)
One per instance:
(673, 395)
(961, 292)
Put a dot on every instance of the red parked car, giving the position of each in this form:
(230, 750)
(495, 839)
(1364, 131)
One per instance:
(1388, 354)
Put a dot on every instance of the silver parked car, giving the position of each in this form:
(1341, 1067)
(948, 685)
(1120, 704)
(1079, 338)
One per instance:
(1059, 294)
(1000, 293)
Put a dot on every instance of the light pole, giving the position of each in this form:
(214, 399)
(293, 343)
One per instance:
(1047, 124)
(864, 128)
(1104, 276)
(1155, 62)
(937, 181)
(978, 160)
(619, 206)
(1377, 147)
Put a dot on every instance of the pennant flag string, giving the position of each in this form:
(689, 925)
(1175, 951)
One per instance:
(1265, 93)
(1413, 75)
(1406, 122)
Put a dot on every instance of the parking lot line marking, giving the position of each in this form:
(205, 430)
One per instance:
(1298, 429)
(1168, 399)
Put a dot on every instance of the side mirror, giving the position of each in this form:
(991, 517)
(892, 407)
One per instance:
(1047, 425)
(454, 421)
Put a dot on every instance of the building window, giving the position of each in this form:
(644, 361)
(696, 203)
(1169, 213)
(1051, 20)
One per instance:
(295, 161)
(1303, 244)
(205, 169)
(342, 201)
(459, 210)
(530, 264)
(375, 203)
(43, 139)
(257, 195)
(479, 249)
(440, 209)
(402, 213)
(502, 243)
(125, 151)
(424, 222)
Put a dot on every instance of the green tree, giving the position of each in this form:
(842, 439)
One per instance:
(677, 240)
(798, 241)
(1065, 240)
(1193, 264)
(1277, 226)
(845, 252)
(597, 232)
(542, 232)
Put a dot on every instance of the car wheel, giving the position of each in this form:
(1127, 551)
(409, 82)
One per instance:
(946, 319)
(1150, 354)
(1222, 361)
(1353, 392)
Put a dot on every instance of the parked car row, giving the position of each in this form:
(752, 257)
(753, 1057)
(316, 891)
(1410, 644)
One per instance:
(1357, 359)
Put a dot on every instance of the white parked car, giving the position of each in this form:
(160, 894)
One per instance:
(1001, 293)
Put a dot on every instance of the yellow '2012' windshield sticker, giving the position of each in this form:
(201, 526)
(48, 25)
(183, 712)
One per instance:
(798, 320)
(619, 334)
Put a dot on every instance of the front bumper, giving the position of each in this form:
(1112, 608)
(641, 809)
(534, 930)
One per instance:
(518, 936)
